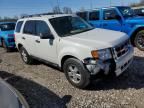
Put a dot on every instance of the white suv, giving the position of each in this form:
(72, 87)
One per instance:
(68, 42)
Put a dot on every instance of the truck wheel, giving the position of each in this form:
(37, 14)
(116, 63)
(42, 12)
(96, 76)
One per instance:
(25, 56)
(139, 40)
(5, 46)
(76, 73)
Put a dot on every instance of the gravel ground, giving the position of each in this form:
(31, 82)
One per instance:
(46, 87)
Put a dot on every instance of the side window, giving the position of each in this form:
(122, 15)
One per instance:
(29, 27)
(42, 28)
(82, 15)
(18, 27)
(110, 14)
(94, 15)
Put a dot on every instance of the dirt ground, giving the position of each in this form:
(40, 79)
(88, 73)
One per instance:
(46, 87)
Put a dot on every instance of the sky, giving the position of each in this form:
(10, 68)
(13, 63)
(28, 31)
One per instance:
(12, 8)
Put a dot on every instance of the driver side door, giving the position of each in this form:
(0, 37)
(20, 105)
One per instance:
(110, 21)
(46, 48)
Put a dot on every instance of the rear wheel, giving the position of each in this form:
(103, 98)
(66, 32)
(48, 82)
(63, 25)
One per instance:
(139, 40)
(25, 56)
(76, 73)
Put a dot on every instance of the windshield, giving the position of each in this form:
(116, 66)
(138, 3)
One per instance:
(7, 26)
(126, 11)
(69, 25)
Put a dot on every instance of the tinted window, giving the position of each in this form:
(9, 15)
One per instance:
(42, 28)
(94, 15)
(126, 11)
(110, 14)
(29, 27)
(18, 27)
(82, 15)
(139, 12)
(7, 26)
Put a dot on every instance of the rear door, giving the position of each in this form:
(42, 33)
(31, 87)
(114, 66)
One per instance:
(110, 21)
(94, 18)
(28, 37)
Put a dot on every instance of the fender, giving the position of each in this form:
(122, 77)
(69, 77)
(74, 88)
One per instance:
(134, 29)
(70, 51)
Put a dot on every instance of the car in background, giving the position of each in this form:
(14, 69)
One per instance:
(139, 11)
(7, 35)
(10, 97)
(118, 18)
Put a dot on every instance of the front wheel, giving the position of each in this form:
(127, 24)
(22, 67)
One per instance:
(76, 73)
(139, 40)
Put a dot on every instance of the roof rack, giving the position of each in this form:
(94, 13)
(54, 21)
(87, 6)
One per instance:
(39, 15)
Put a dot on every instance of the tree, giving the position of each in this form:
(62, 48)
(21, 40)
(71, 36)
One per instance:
(67, 10)
(15, 17)
(142, 2)
(82, 9)
(23, 15)
(56, 10)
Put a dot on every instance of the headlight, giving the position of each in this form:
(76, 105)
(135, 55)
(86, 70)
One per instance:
(104, 54)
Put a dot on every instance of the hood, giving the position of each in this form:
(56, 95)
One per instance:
(137, 19)
(98, 38)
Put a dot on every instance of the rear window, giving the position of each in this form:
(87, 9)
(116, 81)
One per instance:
(18, 27)
(29, 27)
(7, 26)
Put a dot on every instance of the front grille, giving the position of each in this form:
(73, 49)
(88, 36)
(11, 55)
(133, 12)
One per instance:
(121, 49)
(125, 65)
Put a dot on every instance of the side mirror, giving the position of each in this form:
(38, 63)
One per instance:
(46, 36)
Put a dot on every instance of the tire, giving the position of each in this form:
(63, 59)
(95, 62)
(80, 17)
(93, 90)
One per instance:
(76, 73)
(25, 56)
(139, 40)
(5, 46)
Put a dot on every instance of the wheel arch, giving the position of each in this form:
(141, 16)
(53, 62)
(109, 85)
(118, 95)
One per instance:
(135, 31)
(64, 58)
(19, 46)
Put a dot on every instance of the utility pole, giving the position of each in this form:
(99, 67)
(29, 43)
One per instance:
(110, 3)
(91, 4)
(122, 2)
(58, 3)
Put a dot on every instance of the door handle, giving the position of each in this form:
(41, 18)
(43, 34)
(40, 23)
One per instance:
(37, 41)
(105, 24)
(23, 38)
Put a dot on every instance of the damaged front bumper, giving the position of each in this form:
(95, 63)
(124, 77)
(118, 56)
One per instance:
(117, 66)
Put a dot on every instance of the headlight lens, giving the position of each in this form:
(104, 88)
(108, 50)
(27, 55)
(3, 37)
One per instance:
(104, 54)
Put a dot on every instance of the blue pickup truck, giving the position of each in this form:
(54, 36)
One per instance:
(7, 35)
(119, 18)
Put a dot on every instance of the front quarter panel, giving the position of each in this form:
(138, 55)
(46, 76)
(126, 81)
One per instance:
(134, 29)
(67, 48)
